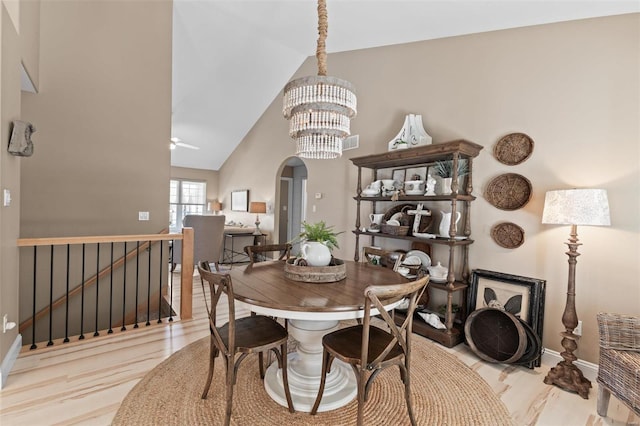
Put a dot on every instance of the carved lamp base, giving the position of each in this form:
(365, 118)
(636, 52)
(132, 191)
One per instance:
(567, 376)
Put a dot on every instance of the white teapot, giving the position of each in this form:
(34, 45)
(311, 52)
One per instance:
(372, 189)
(438, 272)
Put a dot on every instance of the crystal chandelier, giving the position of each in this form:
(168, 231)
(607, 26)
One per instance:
(319, 108)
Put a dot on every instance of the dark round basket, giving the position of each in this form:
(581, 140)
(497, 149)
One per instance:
(534, 346)
(496, 335)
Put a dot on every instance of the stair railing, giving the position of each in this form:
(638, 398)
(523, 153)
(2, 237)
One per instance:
(108, 288)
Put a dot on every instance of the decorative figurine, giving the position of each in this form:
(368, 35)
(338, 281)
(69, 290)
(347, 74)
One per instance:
(430, 185)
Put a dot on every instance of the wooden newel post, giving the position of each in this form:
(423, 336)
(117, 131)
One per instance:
(186, 275)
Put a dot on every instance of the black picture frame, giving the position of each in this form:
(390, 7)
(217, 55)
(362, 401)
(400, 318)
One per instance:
(498, 289)
(420, 172)
(240, 200)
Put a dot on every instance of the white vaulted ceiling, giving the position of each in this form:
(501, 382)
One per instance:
(231, 58)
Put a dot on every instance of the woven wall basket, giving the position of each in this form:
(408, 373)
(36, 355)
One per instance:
(508, 235)
(513, 149)
(509, 191)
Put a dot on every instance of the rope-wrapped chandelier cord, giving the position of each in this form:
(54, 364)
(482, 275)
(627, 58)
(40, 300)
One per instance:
(319, 108)
(323, 26)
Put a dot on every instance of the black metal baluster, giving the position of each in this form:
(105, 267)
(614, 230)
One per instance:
(160, 284)
(149, 285)
(82, 297)
(124, 288)
(137, 280)
(95, 334)
(50, 342)
(111, 291)
(173, 244)
(33, 316)
(66, 310)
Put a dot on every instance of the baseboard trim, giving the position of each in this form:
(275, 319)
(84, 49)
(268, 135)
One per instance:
(10, 359)
(551, 358)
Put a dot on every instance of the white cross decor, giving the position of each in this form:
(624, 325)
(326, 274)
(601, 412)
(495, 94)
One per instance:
(418, 212)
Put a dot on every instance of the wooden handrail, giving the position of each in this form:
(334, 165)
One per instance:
(55, 241)
(185, 300)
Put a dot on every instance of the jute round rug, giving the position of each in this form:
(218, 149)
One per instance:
(445, 392)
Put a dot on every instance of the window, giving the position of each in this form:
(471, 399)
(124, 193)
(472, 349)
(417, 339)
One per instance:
(185, 197)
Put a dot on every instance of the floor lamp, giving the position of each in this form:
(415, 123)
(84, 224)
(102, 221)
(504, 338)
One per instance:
(573, 207)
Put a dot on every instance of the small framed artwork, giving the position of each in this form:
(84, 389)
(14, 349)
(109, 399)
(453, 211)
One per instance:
(398, 175)
(240, 200)
(416, 173)
(520, 296)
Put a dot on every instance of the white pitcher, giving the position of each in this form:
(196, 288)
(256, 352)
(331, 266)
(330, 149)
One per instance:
(376, 218)
(315, 253)
(445, 223)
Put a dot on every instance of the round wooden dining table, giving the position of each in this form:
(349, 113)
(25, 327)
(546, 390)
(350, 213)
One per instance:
(312, 310)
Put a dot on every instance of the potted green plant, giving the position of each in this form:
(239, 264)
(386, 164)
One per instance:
(444, 169)
(318, 241)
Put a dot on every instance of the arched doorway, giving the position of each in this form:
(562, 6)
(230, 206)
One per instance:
(291, 199)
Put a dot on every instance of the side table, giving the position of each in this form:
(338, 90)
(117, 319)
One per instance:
(231, 252)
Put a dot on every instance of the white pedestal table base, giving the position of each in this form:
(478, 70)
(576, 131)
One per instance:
(304, 368)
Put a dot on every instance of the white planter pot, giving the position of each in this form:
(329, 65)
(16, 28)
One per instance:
(315, 253)
(446, 186)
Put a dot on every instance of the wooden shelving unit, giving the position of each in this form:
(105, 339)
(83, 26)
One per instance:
(460, 200)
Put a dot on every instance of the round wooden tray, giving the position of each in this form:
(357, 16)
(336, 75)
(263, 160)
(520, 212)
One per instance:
(508, 235)
(335, 271)
(509, 191)
(513, 149)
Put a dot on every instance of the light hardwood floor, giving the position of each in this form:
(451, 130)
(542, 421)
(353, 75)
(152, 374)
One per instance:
(84, 382)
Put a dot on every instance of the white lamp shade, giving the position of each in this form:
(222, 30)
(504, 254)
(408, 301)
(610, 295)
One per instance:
(576, 207)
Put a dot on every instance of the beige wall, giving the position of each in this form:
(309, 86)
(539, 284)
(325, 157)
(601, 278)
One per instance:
(102, 114)
(573, 87)
(9, 176)
(209, 176)
(30, 38)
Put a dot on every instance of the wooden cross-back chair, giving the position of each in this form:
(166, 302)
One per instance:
(369, 349)
(283, 249)
(244, 336)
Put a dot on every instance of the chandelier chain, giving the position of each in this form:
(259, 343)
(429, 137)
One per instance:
(321, 51)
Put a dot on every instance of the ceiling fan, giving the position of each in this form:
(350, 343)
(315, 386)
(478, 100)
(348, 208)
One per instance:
(176, 142)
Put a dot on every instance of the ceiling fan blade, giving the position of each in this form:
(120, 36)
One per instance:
(186, 145)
